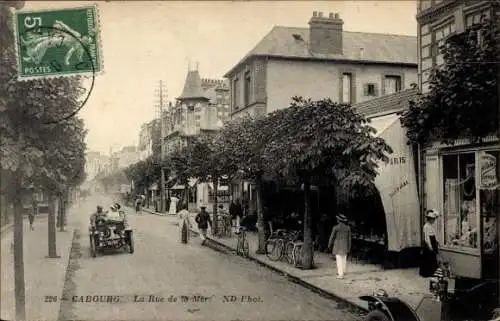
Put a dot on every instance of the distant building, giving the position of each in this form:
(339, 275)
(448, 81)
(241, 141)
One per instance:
(321, 61)
(203, 106)
(122, 159)
(95, 163)
(149, 139)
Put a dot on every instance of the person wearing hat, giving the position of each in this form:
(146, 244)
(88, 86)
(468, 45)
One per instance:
(428, 262)
(203, 220)
(340, 243)
(184, 225)
(94, 216)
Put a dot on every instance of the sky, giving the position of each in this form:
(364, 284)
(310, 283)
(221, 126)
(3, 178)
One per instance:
(144, 42)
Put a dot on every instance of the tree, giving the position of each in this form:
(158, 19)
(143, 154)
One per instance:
(245, 139)
(31, 152)
(210, 162)
(318, 141)
(179, 163)
(463, 97)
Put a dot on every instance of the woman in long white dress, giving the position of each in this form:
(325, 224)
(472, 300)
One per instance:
(184, 226)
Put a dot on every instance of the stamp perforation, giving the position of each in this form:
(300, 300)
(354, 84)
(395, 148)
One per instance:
(84, 74)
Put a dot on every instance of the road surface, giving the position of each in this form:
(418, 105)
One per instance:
(154, 282)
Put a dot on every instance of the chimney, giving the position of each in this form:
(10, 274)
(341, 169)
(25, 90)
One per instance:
(325, 33)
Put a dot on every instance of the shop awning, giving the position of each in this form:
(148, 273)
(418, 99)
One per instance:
(177, 187)
(397, 184)
(153, 187)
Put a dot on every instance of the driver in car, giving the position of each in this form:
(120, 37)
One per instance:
(96, 215)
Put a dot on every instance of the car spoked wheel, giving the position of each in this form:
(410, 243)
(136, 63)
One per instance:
(92, 247)
(130, 243)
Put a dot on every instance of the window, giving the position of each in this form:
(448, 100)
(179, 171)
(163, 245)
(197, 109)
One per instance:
(347, 88)
(426, 40)
(236, 93)
(460, 214)
(392, 84)
(476, 17)
(297, 37)
(426, 51)
(440, 35)
(426, 63)
(424, 29)
(248, 88)
(425, 75)
(370, 89)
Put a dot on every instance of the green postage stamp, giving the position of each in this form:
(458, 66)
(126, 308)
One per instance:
(58, 42)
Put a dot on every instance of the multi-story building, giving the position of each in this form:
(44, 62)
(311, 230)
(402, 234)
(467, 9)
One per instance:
(203, 106)
(460, 181)
(95, 163)
(321, 61)
(149, 139)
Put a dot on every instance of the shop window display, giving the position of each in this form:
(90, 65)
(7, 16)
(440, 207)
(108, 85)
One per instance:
(460, 195)
(489, 187)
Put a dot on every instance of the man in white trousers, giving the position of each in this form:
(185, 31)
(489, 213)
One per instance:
(340, 243)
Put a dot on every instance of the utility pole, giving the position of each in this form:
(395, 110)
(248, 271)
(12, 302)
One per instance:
(162, 98)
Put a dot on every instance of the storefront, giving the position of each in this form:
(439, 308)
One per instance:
(461, 182)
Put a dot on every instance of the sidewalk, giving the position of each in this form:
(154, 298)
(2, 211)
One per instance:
(43, 276)
(361, 279)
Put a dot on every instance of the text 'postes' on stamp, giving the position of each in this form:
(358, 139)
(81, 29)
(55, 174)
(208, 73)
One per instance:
(58, 42)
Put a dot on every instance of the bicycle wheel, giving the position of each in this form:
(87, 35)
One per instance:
(297, 256)
(245, 249)
(273, 249)
(289, 253)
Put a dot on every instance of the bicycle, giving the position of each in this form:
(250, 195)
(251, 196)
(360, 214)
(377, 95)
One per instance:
(242, 247)
(298, 255)
(276, 244)
(223, 227)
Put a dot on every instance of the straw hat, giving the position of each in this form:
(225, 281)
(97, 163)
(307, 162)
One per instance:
(342, 218)
(432, 213)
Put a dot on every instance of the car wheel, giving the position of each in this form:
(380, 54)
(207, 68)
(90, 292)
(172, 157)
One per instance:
(130, 243)
(377, 315)
(92, 247)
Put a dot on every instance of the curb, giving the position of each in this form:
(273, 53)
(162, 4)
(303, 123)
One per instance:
(292, 278)
(298, 280)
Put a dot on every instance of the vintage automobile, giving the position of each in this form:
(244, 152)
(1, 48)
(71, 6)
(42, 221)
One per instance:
(440, 304)
(110, 233)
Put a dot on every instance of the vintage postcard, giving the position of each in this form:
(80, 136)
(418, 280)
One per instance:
(250, 160)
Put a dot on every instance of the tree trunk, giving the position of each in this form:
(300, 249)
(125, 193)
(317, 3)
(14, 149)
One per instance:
(62, 211)
(308, 251)
(215, 204)
(260, 216)
(19, 287)
(52, 227)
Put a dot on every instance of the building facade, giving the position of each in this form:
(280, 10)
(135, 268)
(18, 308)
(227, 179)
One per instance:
(202, 107)
(460, 181)
(321, 61)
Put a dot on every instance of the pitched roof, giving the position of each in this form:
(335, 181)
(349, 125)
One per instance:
(382, 48)
(192, 86)
(386, 104)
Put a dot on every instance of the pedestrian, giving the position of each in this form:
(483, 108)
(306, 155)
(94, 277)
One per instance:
(32, 214)
(203, 220)
(430, 247)
(236, 212)
(184, 225)
(138, 202)
(340, 243)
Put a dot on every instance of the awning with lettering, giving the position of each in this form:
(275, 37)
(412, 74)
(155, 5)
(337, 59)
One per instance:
(397, 184)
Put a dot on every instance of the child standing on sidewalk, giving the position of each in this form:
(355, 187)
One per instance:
(340, 242)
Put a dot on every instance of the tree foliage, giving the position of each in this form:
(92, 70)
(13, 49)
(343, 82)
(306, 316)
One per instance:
(463, 97)
(51, 156)
(144, 173)
(324, 141)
